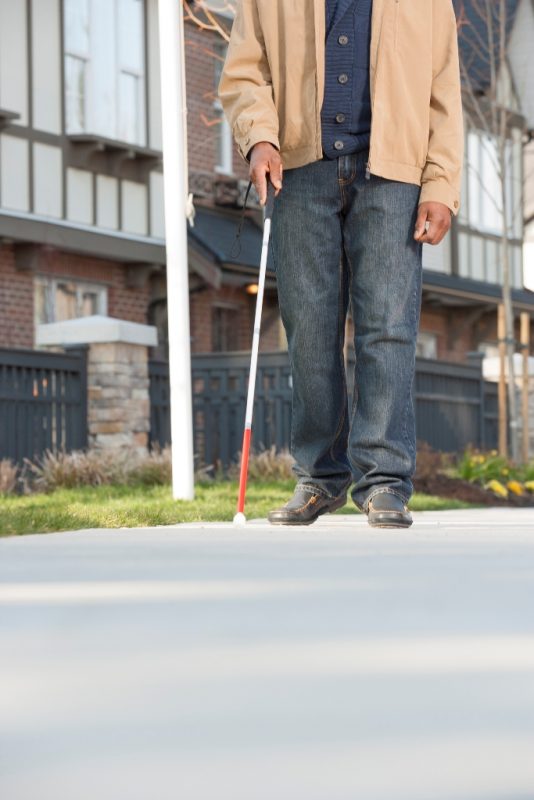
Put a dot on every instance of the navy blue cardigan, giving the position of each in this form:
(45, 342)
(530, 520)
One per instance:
(346, 110)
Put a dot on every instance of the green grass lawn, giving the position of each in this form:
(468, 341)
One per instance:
(127, 506)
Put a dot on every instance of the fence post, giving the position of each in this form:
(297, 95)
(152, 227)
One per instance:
(81, 350)
(475, 358)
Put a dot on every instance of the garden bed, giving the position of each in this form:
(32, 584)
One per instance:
(441, 485)
(484, 478)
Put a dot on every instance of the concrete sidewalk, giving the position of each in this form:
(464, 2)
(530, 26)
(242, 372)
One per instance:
(331, 662)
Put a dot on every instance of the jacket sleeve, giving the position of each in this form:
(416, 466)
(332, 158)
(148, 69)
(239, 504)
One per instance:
(245, 88)
(442, 173)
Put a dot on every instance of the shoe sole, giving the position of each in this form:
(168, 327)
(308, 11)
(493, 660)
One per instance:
(385, 524)
(329, 510)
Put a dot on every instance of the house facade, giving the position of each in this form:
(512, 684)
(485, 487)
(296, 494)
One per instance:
(81, 196)
(81, 189)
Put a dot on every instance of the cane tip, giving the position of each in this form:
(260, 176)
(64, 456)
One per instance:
(240, 519)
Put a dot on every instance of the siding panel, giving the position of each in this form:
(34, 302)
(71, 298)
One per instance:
(46, 67)
(14, 173)
(157, 219)
(80, 196)
(47, 180)
(14, 58)
(107, 202)
(134, 207)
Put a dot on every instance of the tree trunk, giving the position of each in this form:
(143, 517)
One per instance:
(508, 310)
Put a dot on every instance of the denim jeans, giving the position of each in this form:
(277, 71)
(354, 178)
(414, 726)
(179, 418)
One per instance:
(339, 238)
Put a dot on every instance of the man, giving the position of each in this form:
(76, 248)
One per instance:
(354, 108)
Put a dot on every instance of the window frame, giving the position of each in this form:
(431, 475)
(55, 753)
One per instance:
(90, 126)
(50, 284)
(423, 341)
(224, 146)
(219, 307)
(475, 183)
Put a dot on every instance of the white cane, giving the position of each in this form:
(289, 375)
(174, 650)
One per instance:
(240, 518)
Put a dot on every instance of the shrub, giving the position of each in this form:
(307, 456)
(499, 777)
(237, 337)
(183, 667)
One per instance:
(124, 466)
(482, 467)
(155, 468)
(9, 474)
(489, 469)
(430, 462)
(271, 465)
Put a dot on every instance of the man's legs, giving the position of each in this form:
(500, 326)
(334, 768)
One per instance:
(385, 292)
(312, 282)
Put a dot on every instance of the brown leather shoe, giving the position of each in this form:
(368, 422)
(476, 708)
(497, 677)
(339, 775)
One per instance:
(388, 510)
(304, 508)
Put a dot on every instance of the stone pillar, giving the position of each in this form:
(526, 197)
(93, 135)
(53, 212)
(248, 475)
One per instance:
(118, 403)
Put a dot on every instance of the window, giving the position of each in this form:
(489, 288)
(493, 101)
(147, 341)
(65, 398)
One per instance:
(490, 349)
(484, 204)
(76, 63)
(224, 142)
(130, 70)
(105, 69)
(224, 329)
(427, 345)
(58, 299)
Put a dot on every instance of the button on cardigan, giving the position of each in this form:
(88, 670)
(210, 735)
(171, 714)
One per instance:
(346, 110)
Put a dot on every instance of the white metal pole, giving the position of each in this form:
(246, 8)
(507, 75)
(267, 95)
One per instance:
(174, 130)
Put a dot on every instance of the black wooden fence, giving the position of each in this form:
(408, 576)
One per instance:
(43, 402)
(454, 405)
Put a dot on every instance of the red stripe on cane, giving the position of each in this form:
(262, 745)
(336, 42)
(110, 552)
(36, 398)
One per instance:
(244, 470)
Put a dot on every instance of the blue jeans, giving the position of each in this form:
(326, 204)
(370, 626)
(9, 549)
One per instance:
(340, 238)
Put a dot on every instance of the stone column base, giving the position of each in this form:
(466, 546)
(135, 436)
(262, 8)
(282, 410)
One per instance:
(118, 399)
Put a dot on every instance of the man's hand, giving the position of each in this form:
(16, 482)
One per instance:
(438, 216)
(264, 159)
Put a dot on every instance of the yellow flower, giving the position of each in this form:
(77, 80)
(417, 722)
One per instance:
(529, 485)
(497, 488)
(505, 471)
(515, 487)
(493, 452)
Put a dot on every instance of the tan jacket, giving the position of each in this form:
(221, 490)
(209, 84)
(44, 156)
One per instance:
(272, 86)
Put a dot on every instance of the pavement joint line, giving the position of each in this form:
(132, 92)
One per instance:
(60, 593)
(322, 656)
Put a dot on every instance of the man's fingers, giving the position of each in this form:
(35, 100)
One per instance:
(265, 160)
(260, 182)
(420, 228)
(275, 172)
(435, 231)
(428, 233)
(432, 223)
(270, 171)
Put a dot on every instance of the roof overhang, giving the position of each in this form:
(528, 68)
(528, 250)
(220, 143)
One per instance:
(84, 240)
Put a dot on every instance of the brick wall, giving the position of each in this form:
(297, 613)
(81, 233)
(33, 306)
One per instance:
(200, 58)
(452, 341)
(455, 338)
(203, 302)
(16, 303)
(123, 302)
(17, 296)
